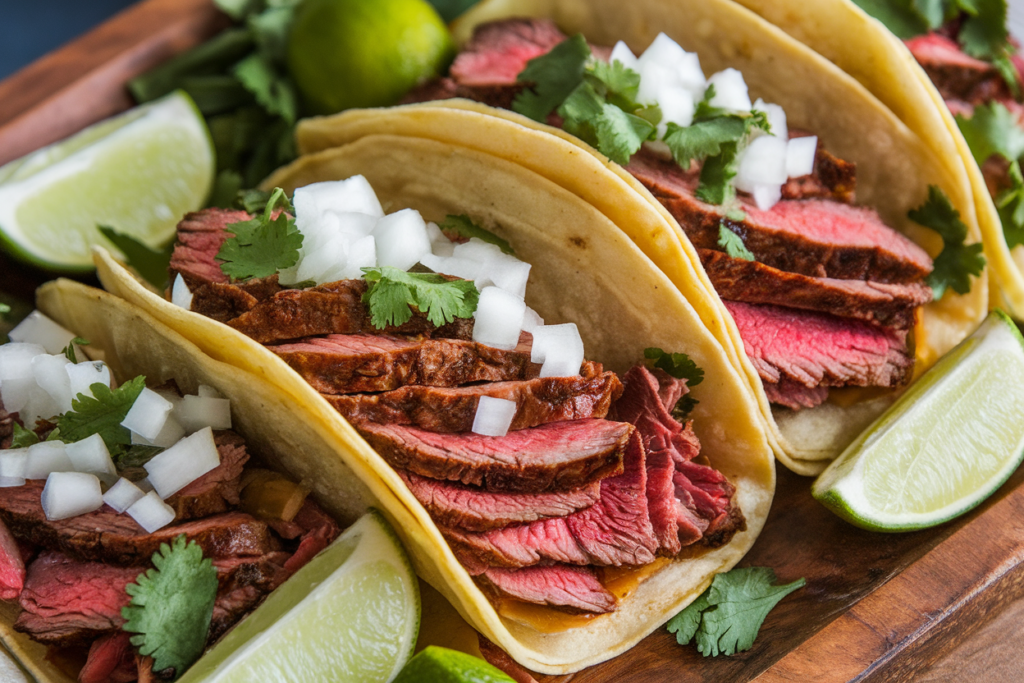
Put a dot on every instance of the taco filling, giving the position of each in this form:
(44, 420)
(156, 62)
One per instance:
(544, 472)
(824, 294)
(84, 513)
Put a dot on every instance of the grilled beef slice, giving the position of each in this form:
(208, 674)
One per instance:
(351, 363)
(473, 509)
(890, 305)
(794, 395)
(111, 659)
(574, 589)
(452, 410)
(12, 566)
(218, 490)
(615, 531)
(559, 456)
(956, 75)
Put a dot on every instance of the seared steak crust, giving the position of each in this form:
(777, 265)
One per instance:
(569, 588)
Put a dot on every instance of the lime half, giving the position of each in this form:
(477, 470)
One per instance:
(950, 441)
(138, 172)
(441, 665)
(351, 614)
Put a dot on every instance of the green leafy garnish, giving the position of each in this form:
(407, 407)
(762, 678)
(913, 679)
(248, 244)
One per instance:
(679, 365)
(983, 34)
(716, 176)
(69, 350)
(733, 243)
(616, 133)
(135, 455)
(957, 262)
(992, 129)
(102, 413)
(551, 78)
(899, 16)
(1010, 204)
(172, 606)
(262, 245)
(253, 201)
(464, 226)
(23, 438)
(394, 292)
(272, 90)
(149, 263)
(725, 619)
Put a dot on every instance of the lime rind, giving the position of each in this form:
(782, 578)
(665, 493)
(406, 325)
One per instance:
(947, 444)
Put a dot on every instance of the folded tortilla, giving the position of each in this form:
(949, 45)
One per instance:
(895, 166)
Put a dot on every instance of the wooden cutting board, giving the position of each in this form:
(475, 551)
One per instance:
(876, 606)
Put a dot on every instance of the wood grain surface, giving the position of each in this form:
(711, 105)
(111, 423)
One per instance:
(931, 605)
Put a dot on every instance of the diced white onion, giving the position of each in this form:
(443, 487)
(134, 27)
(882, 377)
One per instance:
(84, 375)
(440, 245)
(122, 495)
(38, 329)
(477, 250)
(353, 195)
(493, 416)
(11, 482)
(559, 348)
(13, 463)
(776, 118)
(148, 414)
(622, 54)
(151, 513)
(401, 239)
(505, 272)
(170, 434)
(763, 162)
(531, 320)
(663, 50)
(91, 455)
(654, 79)
(361, 254)
(499, 318)
(38, 406)
(183, 463)
(15, 393)
(47, 457)
(196, 412)
(730, 90)
(767, 196)
(690, 75)
(453, 265)
(677, 106)
(800, 155)
(328, 258)
(69, 494)
(206, 391)
(51, 376)
(16, 361)
(181, 295)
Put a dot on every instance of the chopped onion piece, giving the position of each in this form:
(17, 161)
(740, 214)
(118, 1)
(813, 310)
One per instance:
(621, 53)
(361, 254)
(148, 414)
(122, 495)
(38, 406)
(196, 412)
(183, 463)
(654, 79)
(763, 162)
(169, 435)
(730, 91)
(91, 455)
(663, 50)
(477, 250)
(505, 272)
(51, 376)
(206, 391)
(531, 320)
(559, 348)
(677, 106)
(499, 318)
(16, 393)
(800, 155)
(767, 196)
(69, 494)
(690, 75)
(324, 260)
(452, 265)
(47, 457)
(16, 361)
(440, 245)
(84, 375)
(776, 118)
(401, 239)
(151, 513)
(38, 329)
(352, 195)
(493, 416)
(11, 482)
(181, 295)
(13, 463)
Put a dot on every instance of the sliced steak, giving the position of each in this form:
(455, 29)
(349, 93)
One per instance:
(615, 531)
(890, 305)
(12, 567)
(351, 363)
(794, 395)
(817, 349)
(111, 659)
(473, 509)
(706, 491)
(955, 74)
(218, 490)
(200, 236)
(554, 457)
(69, 602)
(499, 51)
(452, 409)
(575, 589)
(318, 531)
(231, 606)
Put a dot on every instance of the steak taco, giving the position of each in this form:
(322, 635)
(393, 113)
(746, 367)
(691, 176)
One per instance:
(574, 456)
(834, 261)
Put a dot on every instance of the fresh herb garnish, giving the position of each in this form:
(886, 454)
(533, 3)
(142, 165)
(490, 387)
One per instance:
(678, 365)
(253, 201)
(262, 245)
(276, 94)
(23, 438)
(551, 78)
(135, 455)
(393, 293)
(102, 413)
(172, 606)
(725, 619)
(957, 262)
(1010, 204)
(69, 350)
(464, 226)
(733, 243)
(992, 130)
(149, 263)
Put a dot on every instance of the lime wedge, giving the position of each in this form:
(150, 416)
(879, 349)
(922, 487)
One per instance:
(947, 444)
(441, 665)
(351, 614)
(138, 172)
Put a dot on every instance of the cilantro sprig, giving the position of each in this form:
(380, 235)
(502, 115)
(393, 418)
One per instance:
(23, 438)
(725, 619)
(262, 245)
(69, 350)
(464, 226)
(680, 366)
(733, 243)
(992, 129)
(393, 293)
(957, 262)
(102, 413)
(172, 606)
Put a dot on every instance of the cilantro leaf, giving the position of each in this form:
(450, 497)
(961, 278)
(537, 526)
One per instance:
(101, 413)
(726, 617)
(551, 77)
(957, 262)
(272, 90)
(616, 133)
(705, 110)
(619, 83)
(1010, 203)
(733, 243)
(716, 176)
(984, 34)
(678, 365)
(172, 606)
(992, 129)
(23, 438)
(263, 245)
(136, 455)
(1008, 70)
(899, 16)
(151, 264)
(69, 350)
(253, 201)
(393, 292)
(702, 139)
(464, 226)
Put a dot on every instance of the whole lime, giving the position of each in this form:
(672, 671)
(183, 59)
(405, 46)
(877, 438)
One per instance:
(364, 53)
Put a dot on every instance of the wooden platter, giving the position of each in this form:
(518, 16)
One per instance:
(876, 607)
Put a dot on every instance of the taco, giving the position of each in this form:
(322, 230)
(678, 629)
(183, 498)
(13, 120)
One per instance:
(623, 531)
(794, 287)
